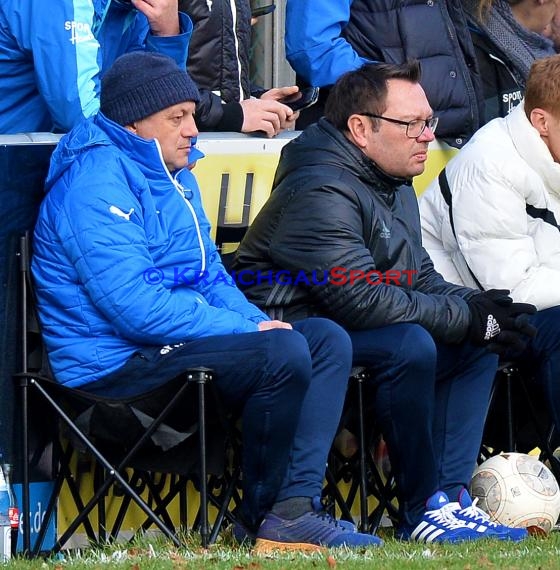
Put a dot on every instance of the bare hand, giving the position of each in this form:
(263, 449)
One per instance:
(266, 114)
(269, 325)
(163, 15)
(280, 92)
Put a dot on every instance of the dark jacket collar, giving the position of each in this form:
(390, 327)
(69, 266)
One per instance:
(322, 145)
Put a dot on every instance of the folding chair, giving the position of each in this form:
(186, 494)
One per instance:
(146, 434)
(518, 419)
(359, 470)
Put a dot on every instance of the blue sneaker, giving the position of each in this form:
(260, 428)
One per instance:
(466, 510)
(310, 532)
(242, 534)
(439, 524)
(319, 508)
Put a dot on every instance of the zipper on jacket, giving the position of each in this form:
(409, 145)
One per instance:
(181, 191)
(504, 64)
(236, 41)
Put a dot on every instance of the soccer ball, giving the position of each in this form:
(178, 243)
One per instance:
(517, 490)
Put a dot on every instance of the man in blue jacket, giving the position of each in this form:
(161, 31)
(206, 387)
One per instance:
(131, 292)
(53, 54)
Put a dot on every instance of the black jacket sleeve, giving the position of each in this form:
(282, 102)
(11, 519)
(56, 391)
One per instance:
(433, 283)
(213, 115)
(307, 240)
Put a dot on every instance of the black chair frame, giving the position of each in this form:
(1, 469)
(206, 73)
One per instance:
(31, 383)
(509, 380)
(361, 471)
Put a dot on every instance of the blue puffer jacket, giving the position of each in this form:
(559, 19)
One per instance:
(326, 39)
(53, 54)
(123, 256)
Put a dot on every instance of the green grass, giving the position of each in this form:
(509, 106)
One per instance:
(155, 554)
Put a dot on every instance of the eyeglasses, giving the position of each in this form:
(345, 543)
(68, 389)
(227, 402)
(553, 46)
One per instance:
(413, 128)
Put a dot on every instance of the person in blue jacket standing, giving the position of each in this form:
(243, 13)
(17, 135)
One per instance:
(324, 40)
(53, 54)
(132, 291)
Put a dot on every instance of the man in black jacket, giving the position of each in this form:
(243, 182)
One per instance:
(219, 64)
(340, 237)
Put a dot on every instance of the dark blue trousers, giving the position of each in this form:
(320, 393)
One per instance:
(431, 403)
(290, 386)
(542, 358)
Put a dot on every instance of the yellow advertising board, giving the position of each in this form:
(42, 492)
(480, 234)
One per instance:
(236, 176)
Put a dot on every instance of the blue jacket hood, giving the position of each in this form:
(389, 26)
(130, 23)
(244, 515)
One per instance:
(84, 136)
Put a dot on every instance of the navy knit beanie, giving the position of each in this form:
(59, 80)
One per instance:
(141, 83)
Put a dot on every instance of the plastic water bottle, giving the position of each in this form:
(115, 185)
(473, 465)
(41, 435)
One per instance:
(13, 511)
(5, 525)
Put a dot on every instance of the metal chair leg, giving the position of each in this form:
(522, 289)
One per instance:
(201, 376)
(362, 447)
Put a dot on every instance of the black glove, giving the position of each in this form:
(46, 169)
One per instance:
(511, 343)
(523, 325)
(508, 344)
(494, 311)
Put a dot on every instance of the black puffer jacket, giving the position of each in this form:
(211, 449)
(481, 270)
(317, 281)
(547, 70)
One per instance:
(331, 207)
(436, 33)
(219, 60)
(219, 47)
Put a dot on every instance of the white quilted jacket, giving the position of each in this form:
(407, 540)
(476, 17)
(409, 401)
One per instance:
(504, 183)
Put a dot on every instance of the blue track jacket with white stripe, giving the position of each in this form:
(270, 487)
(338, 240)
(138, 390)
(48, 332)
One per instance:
(53, 54)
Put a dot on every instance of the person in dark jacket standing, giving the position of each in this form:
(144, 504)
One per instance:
(326, 39)
(340, 237)
(219, 64)
(508, 35)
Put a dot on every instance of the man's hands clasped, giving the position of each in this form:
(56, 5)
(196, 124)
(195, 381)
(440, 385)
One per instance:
(498, 323)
